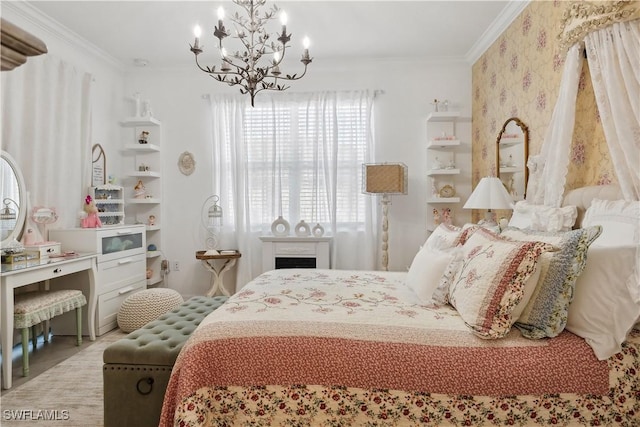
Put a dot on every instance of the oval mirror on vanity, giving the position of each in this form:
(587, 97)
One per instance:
(512, 151)
(13, 196)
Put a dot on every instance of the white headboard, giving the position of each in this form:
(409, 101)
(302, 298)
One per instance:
(582, 197)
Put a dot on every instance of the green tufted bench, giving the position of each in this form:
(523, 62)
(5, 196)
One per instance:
(137, 368)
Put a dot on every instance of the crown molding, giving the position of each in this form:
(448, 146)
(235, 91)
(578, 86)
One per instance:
(497, 27)
(50, 26)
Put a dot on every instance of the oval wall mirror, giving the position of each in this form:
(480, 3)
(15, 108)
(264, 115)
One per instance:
(512, 151)
(13, 195)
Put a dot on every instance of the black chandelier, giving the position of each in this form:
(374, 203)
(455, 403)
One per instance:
(249, 68)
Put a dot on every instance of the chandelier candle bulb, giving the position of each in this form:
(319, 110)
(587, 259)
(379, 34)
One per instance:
(197, 31)
(305, 44)
(220, 16)
(283, 21)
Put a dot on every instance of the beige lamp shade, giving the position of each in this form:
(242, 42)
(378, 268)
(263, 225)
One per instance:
(384, 178)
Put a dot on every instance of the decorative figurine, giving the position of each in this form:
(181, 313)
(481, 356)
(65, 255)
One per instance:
(152, 220)
(436, 164)
(147, 109)
(149, 273)
(140, 190)
(436, 217)
(446, 216)
(136, 98)
(143, 138)
(91, 220)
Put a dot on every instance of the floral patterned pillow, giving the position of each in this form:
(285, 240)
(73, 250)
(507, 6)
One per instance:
(546, 313)
(489, 282)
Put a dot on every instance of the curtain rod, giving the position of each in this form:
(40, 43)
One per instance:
(376, 92)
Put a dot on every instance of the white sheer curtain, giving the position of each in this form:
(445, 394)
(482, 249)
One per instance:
(614, 62)
(299, 156)
(46, 127)
(552, 165)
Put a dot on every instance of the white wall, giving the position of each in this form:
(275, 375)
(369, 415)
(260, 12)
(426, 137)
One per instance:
(176, 96)
(400, 132)
(107, 87)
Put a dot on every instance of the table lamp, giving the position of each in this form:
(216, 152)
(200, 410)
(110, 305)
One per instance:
(489, 194)
(386, 179)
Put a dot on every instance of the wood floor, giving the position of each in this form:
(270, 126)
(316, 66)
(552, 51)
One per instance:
(47, 355)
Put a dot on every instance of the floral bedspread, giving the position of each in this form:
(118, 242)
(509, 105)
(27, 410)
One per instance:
(346, 348)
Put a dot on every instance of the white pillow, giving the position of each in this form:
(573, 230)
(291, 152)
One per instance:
(543, 218)
(445, 236)
(620, 221)
(425, 272)
(603, 310)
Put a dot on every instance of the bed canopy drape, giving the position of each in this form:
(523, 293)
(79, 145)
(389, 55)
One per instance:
(610, 35)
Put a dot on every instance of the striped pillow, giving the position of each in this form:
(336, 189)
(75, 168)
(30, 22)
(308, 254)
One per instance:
(489, 283)
(546, 313)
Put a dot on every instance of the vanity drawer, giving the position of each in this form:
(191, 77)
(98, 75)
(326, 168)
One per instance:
(121, 272)
(52, 271)
(110, 302)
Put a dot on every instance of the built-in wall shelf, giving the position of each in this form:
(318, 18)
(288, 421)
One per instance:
(146, 201)
(140, 121)
(443, 143)
(443, 200)
(145, 174)
(143, 147)
(443, 116)
(435, 172)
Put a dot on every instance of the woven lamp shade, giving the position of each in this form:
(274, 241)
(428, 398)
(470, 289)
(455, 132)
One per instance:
(386, 178)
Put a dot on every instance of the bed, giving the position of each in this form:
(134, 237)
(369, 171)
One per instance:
(341, 348)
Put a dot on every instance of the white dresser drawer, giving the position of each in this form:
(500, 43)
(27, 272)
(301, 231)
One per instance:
(109, 242)
(295, 248)
(109, 304)
(121, 272)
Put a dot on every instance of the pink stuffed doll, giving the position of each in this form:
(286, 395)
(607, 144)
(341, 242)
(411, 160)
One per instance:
(92, 220)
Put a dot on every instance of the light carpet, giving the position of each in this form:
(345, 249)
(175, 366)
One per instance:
(69, 394)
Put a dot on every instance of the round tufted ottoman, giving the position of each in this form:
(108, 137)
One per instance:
(144, 306)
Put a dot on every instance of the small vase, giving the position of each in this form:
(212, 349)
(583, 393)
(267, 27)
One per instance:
(318, 230)
(280, 227)
(302, 229)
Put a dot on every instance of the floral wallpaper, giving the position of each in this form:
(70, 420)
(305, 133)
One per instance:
(519, 76)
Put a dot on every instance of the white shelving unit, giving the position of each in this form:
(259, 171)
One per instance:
(109, 199)
(449, 167)
(145, 170)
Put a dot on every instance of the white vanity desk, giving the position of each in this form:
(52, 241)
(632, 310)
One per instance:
(23, 274)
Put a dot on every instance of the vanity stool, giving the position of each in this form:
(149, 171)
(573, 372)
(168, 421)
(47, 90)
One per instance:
(35, 307)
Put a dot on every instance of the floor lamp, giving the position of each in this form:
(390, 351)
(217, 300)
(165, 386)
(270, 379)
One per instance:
(386, 179)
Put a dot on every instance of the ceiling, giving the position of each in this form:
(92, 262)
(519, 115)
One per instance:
(160, 31)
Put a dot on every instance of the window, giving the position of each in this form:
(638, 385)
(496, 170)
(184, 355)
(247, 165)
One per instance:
(304, 159)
